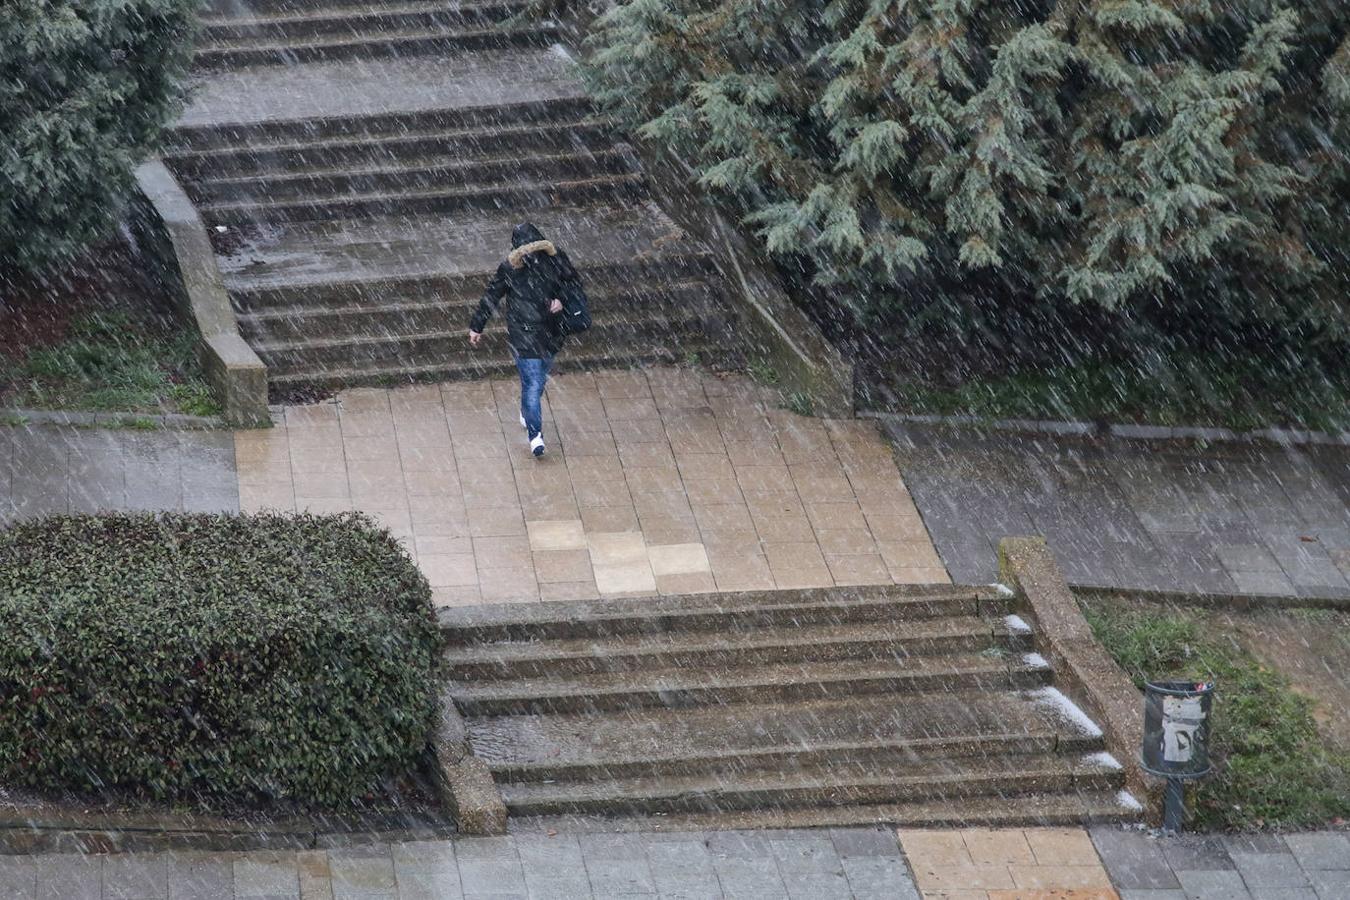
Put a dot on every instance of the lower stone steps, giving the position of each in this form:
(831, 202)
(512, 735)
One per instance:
(832, 785)
(804, 707)
(676, 687)
(1038, 809)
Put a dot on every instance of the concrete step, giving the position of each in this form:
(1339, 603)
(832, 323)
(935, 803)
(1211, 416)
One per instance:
(1039, 809)
(860, 731)
(600, 278)
(299, 323)
(418, 174)
(429, 39)
(729, 612)
(579, 134)
(346, 20)
(767, 646)
(899, 781)
(317, 354)
(480, 366)
(239, 9)
(286, 133)
(677, 687)
(490, 197)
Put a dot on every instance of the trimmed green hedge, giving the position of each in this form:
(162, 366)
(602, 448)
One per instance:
(214, 657)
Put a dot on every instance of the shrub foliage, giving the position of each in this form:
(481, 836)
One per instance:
(86, 89)
(958, 156)
(225, 658)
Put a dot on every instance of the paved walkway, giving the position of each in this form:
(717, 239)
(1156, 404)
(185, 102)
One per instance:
(657, 481)
(862, 863)
(47, 469)
(1227, 518)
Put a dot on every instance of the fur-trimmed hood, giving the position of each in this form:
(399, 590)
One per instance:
(517, 256)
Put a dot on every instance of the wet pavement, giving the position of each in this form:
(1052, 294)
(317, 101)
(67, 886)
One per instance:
(46, 469)
(1106, 863)
(1164, 515)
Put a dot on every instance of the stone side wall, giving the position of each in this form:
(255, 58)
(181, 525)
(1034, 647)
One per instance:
(1083, 668)
(170, 229)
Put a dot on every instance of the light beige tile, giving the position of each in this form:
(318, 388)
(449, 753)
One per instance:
(936, 878)
(496, 521)
(920, 576)
(568, 590)
(441, 482)
(686, 583)
(1062, 847)
(610, 518)
(639, 431)
(432, 544)
(360, 448)
(797, 554)
(738, 570)
(593, 443)
(768, 479)
(262, 448)
(610, 491)
(998, 847)
(821, 483)
(323, 506)
(318, 485)
(836, 515)
(448, 570)
(557, 535)
(617, 548)
(935, 848)
(662, 479)
(678, 559)
(668, 530)
(652, 455)
(858, 569)
(848, 542)
(619, 410)
(626, 384)
(508, 585)
(553, 566)
(625, 578)
(315, 415)
(1059, 878)
(463, 595)
(393, 518)
(909, 554)
(784, 529)
(502, 552)
(257, 497)
(896, 527)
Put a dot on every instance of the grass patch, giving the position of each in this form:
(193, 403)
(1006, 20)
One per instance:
(1180, 388)
(1273, 767)
(110, 361)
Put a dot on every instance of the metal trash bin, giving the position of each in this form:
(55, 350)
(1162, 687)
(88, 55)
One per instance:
(1176, 739)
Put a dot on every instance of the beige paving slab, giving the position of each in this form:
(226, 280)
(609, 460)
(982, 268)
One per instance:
(617, 548)
(679, 559)
(566, 534)
(626, 578)
(562, 566)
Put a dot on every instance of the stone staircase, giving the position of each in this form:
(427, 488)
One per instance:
(282, 32)
(771, 709)
(355, 246)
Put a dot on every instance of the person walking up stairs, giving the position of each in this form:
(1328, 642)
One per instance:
(532, 281)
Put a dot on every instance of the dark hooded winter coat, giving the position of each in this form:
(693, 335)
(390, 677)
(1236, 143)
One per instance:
(528, 280)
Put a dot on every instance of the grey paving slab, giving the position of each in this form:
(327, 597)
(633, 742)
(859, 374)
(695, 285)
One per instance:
(1320, 850)
(1196, 853)
(136, 876)
(1270, 870)
(865, 842)
(1330, 884)
(753, 878)
(1283, 893)
(879, 876)
(200, 876)
(1150, 894)
(1133, 859)
(1213, 886)
(69, 877)
(18, 877)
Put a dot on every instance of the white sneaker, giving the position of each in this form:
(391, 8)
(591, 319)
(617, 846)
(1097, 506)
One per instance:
(537, 445)
(522, 422)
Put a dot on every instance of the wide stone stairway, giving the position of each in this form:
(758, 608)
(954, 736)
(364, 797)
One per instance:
(918, 705)
(360, 167)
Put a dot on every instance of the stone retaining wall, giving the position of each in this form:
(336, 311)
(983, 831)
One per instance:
(170, 229)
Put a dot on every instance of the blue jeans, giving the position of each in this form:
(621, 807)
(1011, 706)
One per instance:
(533, 376)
